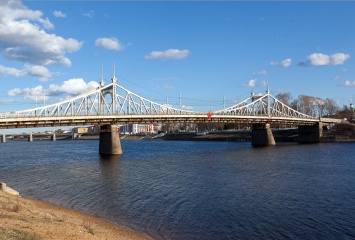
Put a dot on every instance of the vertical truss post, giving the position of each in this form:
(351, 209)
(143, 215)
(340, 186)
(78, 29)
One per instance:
(114, 81)
(128, 105)
(252, 100)
(268, 101)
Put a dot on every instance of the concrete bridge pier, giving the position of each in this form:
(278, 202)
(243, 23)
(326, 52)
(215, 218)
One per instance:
(262, 135)
(310, 134)
(30, 137)
(3, 138)
(53, 137)
(110, 143)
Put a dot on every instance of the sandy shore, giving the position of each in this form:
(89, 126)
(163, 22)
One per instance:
(22, 218)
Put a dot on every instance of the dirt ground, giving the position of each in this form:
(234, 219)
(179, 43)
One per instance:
(22, 218)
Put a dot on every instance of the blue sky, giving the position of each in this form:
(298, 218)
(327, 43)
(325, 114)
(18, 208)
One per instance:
(205, 51)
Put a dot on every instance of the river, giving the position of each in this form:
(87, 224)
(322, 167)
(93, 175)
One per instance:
(195, 190)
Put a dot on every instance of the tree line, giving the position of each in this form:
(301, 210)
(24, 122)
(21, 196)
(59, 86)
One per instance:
(315, 106)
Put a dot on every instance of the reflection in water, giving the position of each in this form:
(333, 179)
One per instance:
(108, 158)
(110, 170)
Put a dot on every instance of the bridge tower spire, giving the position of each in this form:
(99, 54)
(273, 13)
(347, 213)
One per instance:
(268, 99)
(252, 93)
(114, 79)
(102, 83)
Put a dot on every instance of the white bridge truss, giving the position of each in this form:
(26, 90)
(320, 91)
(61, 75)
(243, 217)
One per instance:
(114, 104)
(112, 99)
(266, 105)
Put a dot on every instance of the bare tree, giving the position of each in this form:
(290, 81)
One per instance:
(306, 104)
(285, 98)
(312, 106)
(330, 107)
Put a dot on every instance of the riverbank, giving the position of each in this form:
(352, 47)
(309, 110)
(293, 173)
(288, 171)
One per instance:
(23, 218)
(343, 132)
(280, 135)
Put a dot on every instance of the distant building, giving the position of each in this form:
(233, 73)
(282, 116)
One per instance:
(80, 130)
(137, 129)
(94, 129)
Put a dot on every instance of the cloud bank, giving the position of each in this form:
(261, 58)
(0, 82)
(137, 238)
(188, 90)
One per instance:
(29, 70)
(73, 87)
(24, 37)
(320, 59)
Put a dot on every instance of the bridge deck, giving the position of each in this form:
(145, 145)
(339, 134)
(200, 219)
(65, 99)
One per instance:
(144, 119)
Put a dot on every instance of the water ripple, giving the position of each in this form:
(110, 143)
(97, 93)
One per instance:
(195, 190)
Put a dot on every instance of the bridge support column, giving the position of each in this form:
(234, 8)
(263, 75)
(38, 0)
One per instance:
(30, 138)
(310, 134)
(262, 135)
(3, 138)
(110, 143)
(53, 138)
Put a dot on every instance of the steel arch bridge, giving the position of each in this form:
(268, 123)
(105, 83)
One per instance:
(114, 104)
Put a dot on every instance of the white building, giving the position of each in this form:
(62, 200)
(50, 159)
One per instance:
(137, 129)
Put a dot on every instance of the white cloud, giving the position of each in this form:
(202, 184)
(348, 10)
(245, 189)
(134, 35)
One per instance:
(320, 59)
(36, 93)
(10, 71)
(167, 86)
(23, 37)
(108, 43)
(186, 107)
(260, 73)
(74, 86)
(59, 14)
(349, 84)
(255, 83)
(338, 58)
(263, 83)
(284, 63)
(14, 92)
(89, 14)
(250, 83)
(168, 54)
(29, 70)
(37, 71)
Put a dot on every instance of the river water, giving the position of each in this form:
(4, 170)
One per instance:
(195, 190)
